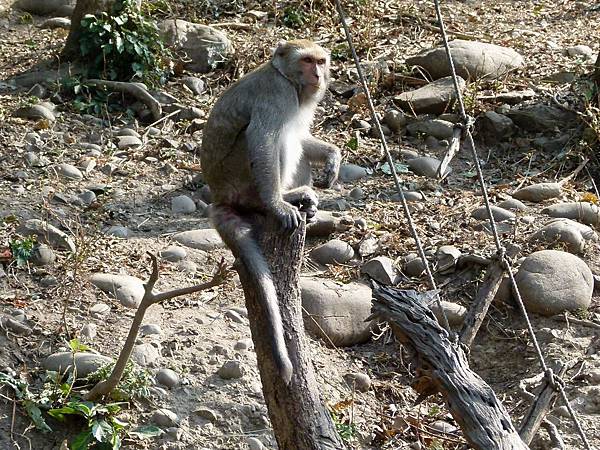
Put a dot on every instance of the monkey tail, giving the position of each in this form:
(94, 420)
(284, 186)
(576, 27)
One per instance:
(237, 234)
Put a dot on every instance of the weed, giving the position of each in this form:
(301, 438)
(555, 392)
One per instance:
(25, 19)
(293, 17)
(345, 428)
(22, 249)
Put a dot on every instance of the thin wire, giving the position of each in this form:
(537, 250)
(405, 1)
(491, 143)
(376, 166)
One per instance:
(556, 383)
(390, 161)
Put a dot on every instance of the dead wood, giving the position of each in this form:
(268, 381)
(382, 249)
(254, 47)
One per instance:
(135, 90)
(485, 296)
(443, 367)
(105, 387)
(299, 419)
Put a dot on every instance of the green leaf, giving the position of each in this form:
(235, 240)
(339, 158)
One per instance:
(352, 144)
(102, 430)
(118, 43)
(34, 412)
(146, 432)
(82, 440)
(59, 413)
(77, 346)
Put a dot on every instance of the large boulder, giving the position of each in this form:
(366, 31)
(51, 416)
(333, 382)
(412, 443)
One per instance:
(538, 117)
(204, 46)
(43, 7)
(472, 60)
(434, 98)
(552, 282)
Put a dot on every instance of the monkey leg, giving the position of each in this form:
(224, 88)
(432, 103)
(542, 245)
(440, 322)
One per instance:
(237, 233)
(305, 199)
(318, 151)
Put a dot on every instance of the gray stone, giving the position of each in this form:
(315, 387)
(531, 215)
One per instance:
(434, 98)
(194, 84)
(164, 417)
(234, 316)
(48, 281)
(125, 288)
(46, 233)
(455, 313)
(324, 224)
(512, 204)
(437, 128)
(42, 255)
(359, 381)
(150, 329)
(472, 60)
(14, 325)
(207, 414)
(580, 50)
(368, 246)
(352, 172)
(56, 22)
(231, 370)
(336, 313)
(494, 127)
(335, 251)
(164, 98)
(99, 310)
(356, 193)
(538, 192)
(515, 97)
(89, 332)
(118, 231)
(87, 197)
(68, 171)
(146, 355)
(395, 119)
(41, 7)
(567, 232)
(414, 266)
(427, 166)
(382, 270)
(127, 141)
(173, 253)
(35, 112)
(538, 117)
(243, 344)
(255, 444)
(182, 204)
(203, 239)
(361, 125)
(552, 282)
(584, 212)
(409, 196)
(128, 132)
(85, 363)
(203, 46)
(500, 214)
(168, 378)
(447, 257)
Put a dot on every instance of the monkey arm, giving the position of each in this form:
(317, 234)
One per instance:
(305, 199)
(321, 152)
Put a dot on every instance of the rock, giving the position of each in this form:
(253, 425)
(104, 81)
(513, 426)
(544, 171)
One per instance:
(85, 363)
(243, 344)
(587, 213)
(414, 266)
(434, 98)
(41, 7)
(352, 172)
(567, 232)
(409, 196)
(538, 192)
(164, 417)
(48, 281)
(99, 309)
(125, 288)
(127, 141)
(203, 239)
(500, 214)
(359, 381)
(234, 316)
(14, 325)
(89, 332)
(512, 204)
(427, 166)
(382, 270)
(395, 120)
(87, 197)
(437, 128)
(356, 193)
(407, 154)
(118, 231)
(194, 84)
(455, 313)
(324, 224)
(539, 117)
(47, 234)
(182, 204)
(68, 171)
(42, 255)
(255, 444)
(368, 246)
(472, 60)
(168, 378)
(494, 127)
(207, 414)
(580, 50)
(146, 355)
(35, 112)
(150, 329)
(56, 22)
(204, 47)
(164, 98)
(336, 313)
(447, 257)
(552, 282)
(173, 253)
(335, 251)
(231, 370)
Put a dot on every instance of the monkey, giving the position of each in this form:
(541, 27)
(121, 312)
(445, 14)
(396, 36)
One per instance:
(256, 156)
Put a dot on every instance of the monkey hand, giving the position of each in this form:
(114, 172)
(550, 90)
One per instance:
(305, 199)
(288, 215)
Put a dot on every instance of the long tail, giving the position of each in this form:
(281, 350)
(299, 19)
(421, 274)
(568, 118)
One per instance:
(237, 234)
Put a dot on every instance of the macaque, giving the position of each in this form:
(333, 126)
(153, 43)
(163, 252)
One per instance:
(256, 157)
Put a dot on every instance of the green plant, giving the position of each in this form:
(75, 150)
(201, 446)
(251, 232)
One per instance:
(25, 19)
(341, 52)
(124, 45)
(134, 383)
(22, 249)
(293, 17)
(345, 428)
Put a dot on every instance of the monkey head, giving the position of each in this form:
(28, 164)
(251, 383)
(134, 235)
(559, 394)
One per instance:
(305, 64)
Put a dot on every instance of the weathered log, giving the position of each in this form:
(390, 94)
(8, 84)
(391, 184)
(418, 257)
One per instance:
(443, 367)
(299, 418)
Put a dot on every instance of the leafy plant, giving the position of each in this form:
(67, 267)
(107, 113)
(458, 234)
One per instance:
(293, 17)
(22, 249)
(134, 383)
(345, 428)
(124, 45)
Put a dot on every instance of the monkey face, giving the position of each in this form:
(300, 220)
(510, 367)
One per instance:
(313, 70)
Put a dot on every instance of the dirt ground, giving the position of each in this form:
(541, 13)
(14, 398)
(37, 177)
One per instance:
(197, 336)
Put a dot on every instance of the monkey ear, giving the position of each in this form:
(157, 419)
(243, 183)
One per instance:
(280, 49)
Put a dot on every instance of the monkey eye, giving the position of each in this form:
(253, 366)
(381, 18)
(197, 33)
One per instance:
(307, 59)
(321, 62)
